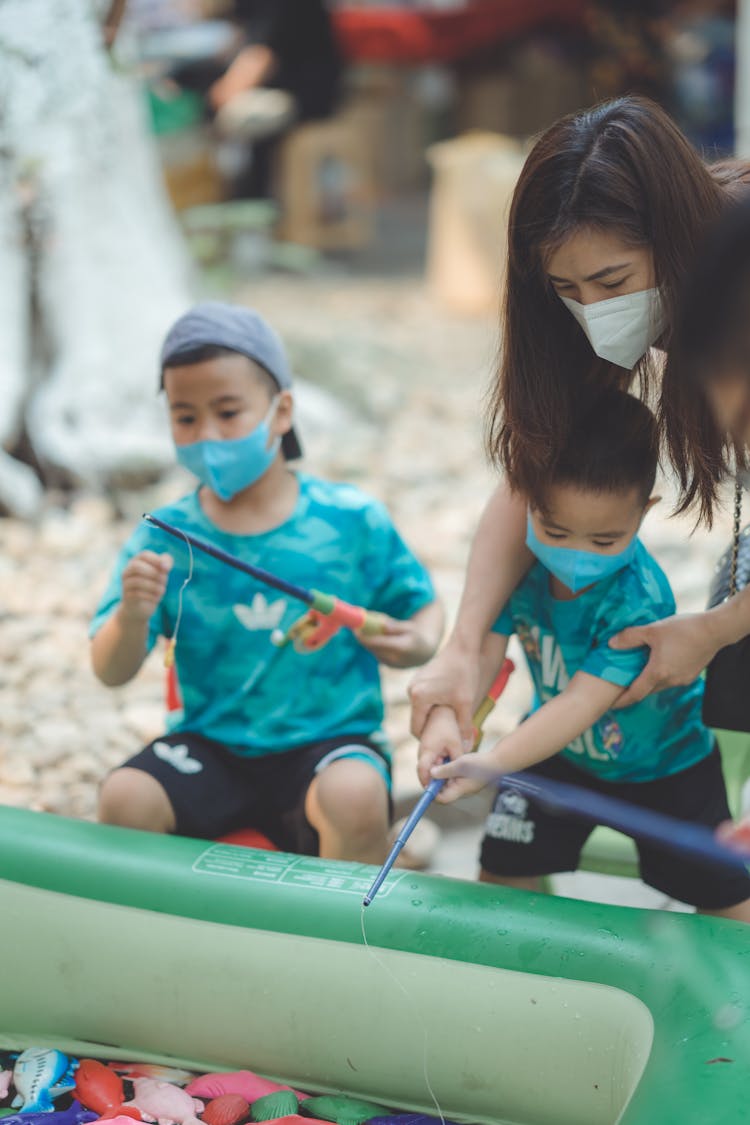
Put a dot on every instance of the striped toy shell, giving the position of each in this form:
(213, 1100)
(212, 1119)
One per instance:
(227, 1109)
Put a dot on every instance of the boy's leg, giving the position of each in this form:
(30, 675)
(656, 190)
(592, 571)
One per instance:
(347, 805)
(131, 798)
(180, 783)
(329, 798)
(697, 794)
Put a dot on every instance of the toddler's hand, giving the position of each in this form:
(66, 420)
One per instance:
(465, 775)
(441, 739)
(144, 583)
(401, 644)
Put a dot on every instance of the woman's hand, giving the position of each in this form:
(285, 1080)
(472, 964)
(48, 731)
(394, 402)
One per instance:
(441, 740)
(681, 647)
(451, 679)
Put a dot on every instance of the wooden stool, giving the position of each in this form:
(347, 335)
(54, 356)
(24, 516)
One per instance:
(325, 186)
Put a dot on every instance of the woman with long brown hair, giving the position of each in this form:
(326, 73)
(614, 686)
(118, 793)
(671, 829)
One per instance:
(606, 218)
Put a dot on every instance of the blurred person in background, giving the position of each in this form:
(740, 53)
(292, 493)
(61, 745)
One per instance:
(287, 49)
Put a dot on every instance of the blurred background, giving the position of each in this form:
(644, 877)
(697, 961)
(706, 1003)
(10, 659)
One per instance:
(346, 167)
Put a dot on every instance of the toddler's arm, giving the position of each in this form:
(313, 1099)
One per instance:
(119, 648)
(546, 732)
(441, 734)
(404, 644)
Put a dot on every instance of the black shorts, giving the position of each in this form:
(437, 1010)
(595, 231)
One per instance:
(524, 839)
(214, 791)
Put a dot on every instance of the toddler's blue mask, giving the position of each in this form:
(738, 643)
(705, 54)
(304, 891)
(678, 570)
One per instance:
(227, 467)
(577, 569)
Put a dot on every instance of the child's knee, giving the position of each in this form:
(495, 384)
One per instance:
(353, 797)
(132, 798)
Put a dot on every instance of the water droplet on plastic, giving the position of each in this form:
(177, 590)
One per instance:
(416, 902)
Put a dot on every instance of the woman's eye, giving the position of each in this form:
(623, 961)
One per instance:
(615, 284)
(185, 420)
(228, 414)
(555, 535)
(603, 543)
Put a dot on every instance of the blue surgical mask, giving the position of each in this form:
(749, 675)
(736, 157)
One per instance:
(577, 569)
(228, 467)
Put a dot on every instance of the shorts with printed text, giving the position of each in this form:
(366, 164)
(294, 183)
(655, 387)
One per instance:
(522, 838)
(214, 791)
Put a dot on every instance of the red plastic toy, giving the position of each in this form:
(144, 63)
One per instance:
(227, 1109)
(100, 1089)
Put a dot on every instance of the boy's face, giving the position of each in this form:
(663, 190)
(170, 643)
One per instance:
(222, 398)
(602, 522)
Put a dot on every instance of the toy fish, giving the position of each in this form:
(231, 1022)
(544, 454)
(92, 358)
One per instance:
(250, 1086)
(152, 1070)
(100, 1089)
(164, 1103)
(75, 1114)
(5, 1077)
(38, 1072)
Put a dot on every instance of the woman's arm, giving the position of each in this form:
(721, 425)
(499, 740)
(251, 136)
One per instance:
(497, 563)
(681, 647)
(550, 729)
(441, 737)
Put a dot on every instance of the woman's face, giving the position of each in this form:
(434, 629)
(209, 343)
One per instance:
(593, 265)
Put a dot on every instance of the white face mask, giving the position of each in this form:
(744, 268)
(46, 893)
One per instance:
(621, 329)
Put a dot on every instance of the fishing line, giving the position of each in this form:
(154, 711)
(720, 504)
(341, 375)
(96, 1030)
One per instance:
(414, 1011)
(169, 655)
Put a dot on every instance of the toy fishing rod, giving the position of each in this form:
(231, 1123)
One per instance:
(694, 840)
(326, 613)
(432, 790)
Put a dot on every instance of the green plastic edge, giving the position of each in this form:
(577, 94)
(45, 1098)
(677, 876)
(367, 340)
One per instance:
(690, 971)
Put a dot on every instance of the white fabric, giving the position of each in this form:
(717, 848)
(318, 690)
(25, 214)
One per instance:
(106, 261)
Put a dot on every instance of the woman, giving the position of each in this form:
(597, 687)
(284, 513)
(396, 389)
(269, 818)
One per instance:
(606, 218)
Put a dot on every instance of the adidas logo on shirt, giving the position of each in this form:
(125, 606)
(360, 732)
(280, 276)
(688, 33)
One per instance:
(260, 614)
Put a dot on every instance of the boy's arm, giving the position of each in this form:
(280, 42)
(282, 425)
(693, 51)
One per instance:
(404, 644)
(441, 735)
(550, 729)
(120, 645)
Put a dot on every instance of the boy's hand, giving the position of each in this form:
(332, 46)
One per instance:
(144, 583)
(401, 644)
(441, 738)
(464, 776)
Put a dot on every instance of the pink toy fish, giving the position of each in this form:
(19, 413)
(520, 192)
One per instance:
(250, 1086)
(164, 1103)
(5, 1077)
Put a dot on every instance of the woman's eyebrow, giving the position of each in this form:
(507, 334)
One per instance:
(594, 276)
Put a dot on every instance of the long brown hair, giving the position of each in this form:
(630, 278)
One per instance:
(622, 166)
(711, 319)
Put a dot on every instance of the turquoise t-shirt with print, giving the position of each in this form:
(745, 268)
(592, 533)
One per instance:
(236, 686)
(659, 736)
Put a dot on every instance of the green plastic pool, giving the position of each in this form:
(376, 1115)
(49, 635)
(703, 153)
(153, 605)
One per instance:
(539, 1011)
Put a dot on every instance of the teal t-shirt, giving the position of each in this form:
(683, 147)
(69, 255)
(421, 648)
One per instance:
(659, 736)
(236, 686)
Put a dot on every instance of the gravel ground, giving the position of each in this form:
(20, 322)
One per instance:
(408, 382)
